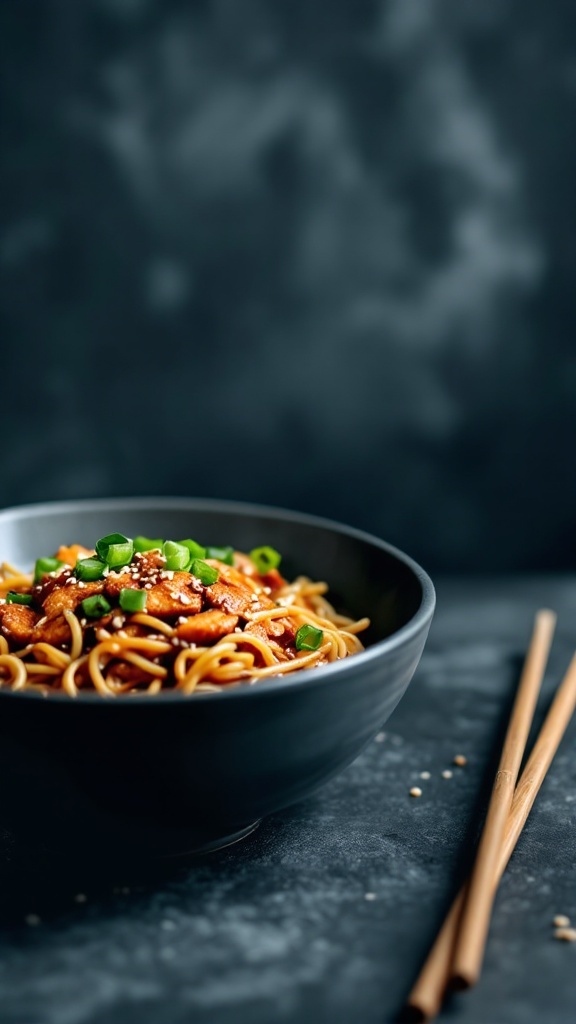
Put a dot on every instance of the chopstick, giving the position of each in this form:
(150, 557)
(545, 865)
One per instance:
(475, 919)
(426, 995)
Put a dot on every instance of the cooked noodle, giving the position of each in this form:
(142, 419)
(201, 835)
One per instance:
(147, 653)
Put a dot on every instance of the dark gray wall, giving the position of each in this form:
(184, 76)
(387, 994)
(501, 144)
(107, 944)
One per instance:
(315, 254)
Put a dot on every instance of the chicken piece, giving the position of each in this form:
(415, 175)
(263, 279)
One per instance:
(235, 597)
(283, 628)
(273, 579)
(244, 564)
(177, 596)
(52, 627)
(230, 598)
(48, 583)
(55, 631)
(280, 630)
(230, 575)
(148, 561)
(147, 566)
(256, 629)
(69, 597)
(71, 554)
(17, 622)
(121, 581)
(207, 627)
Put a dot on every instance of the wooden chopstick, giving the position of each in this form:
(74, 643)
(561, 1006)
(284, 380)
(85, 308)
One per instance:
(426, 995)
(475, 919)
(537, 765)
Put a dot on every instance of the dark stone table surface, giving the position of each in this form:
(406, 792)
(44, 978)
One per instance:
(325, 913)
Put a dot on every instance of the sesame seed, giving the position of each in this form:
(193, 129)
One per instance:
(460, 760)
(147, 586)
(237, 629)
(81, 585)
(447, 774)
(424, 775)
(33, 920)
(254, 598)
(118, 621)
(267, 590)
(561, 921)
(565, 934)
(82, 622)
(184, 599)
(415, 791)
(136, 575)
(181, 619)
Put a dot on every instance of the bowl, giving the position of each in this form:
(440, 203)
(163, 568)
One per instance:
(167, 775)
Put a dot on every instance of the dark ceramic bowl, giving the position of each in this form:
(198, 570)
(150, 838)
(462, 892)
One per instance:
(170, 774)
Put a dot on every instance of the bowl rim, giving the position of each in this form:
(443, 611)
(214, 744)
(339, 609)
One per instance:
(307, 678)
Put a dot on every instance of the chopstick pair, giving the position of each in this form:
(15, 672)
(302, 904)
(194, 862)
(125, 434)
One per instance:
(455, 959)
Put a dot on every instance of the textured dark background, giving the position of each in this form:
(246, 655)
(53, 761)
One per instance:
(316, 254)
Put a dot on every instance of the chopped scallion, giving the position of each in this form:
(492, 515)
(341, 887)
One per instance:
(115, 549)
(96, 606)
(177, 555)
(132, 600)
(44, 566)
(12, 597)
(147, 543)
(308, 638)
(89, 569)
(265, 559)
(195, 550)
(225, 555)
(207, 574)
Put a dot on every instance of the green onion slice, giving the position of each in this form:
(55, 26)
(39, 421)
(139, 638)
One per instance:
(225, 555)
(308, 638)
(195, 550)
(12, 597)
(147, 543)
(265, 559)
(132, 600)
(45, 565)
(96, 606)
(115, 549)
(89, 569)
(177, 555)
(205, 573)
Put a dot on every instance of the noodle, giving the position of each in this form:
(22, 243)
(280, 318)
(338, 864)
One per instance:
(197, 629)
